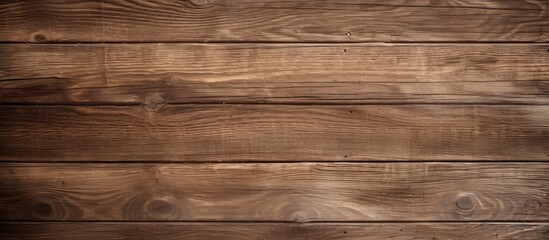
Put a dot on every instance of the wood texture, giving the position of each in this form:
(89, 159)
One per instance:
(240, 231)
(274, 133)
(263, 119)
(276, 21)
(273, 73)
(297, 192)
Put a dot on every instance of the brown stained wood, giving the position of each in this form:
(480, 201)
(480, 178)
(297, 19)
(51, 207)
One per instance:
(275, 231)
(277, 21)
(115, 125)
(274, 133)
(297, 192)
(273, 73)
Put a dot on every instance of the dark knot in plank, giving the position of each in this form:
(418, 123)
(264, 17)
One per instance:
(465, 202)
(39, 37)
(160, 208)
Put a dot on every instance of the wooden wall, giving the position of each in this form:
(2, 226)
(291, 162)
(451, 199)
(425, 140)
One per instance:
(261, 119)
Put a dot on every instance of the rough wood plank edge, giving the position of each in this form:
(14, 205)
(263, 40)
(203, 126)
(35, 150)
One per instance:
(277, 21)
(199, 133)
(292, 192)
(273, 73)
(274, 231)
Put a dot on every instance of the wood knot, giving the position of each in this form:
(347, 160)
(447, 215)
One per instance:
(169, 80)
(197, 2)
(464, 206)
(154, 104)
(38, 37)
(160, 208)
(200, 2)
(465, 202)
(211, 2)
(51, 208)
(300, 213)
(43, 210)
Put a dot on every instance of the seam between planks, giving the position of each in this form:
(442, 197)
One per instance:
(366, 43)
(218, 103)
(153, 162)
(289, 42)
(278, 222)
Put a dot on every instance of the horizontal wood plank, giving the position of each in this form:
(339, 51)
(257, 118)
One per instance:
(273, 133)
(297, 192)
(276, 21)
(275, 231)
(273, 73)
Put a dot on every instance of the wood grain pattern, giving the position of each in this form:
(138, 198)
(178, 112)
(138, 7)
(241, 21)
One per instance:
(274, 133)
(297, 192)
(275, 231)
(273, 73)
(261, 119)
(277, 21)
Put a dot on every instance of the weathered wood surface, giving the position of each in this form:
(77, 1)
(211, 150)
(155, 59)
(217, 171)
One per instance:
(274, 133)
(297, 192)
(323, 81)
(275, 231)
(273, 73)
(275, 21)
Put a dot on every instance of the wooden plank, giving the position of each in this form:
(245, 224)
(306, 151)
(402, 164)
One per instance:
(275, 231)
(274, 133)
(273, 73)
(297, 192)
(277, 21)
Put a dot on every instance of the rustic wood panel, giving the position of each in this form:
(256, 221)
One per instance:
(115, 124)
(275, 231)
(278, 21)
(300, 192)
(274, 133)
(273, 73)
